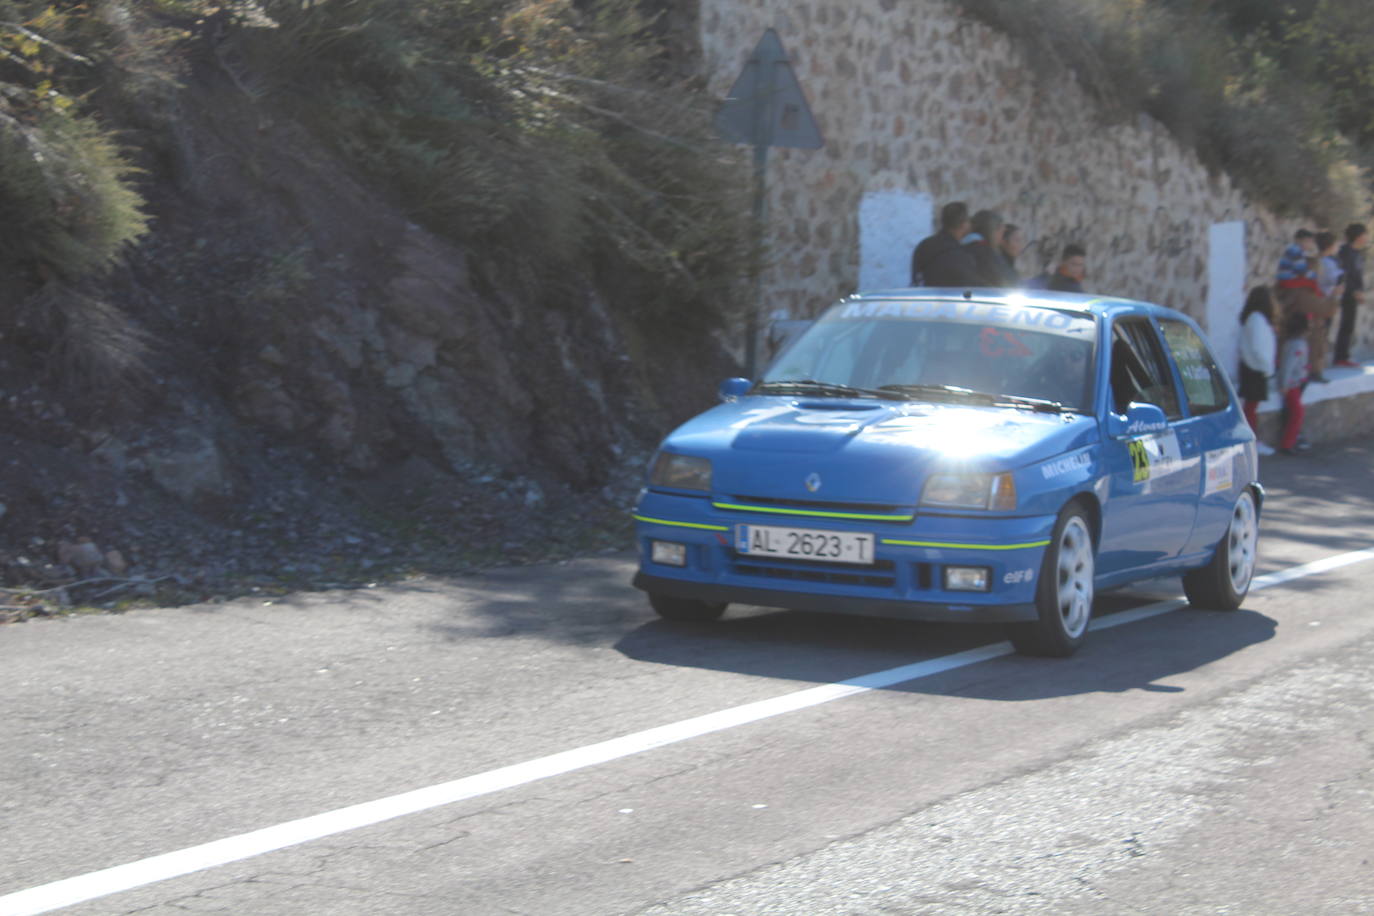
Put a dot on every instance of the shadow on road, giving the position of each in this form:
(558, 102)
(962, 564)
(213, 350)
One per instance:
(825, 648)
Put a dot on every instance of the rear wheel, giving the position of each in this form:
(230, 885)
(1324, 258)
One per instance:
(1223, 583)
(1064, 598)
(685, 608)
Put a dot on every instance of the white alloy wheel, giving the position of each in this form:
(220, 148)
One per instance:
(1242, 539)
(1222, 584)
(1074, 591)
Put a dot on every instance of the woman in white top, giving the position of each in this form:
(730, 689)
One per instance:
(1258, 355)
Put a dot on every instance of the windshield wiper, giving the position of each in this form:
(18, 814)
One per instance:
(825, 389)
(1040, 404)
(953, 390)
(993, 400)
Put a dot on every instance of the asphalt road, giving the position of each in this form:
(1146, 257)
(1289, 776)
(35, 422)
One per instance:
(1183, 763)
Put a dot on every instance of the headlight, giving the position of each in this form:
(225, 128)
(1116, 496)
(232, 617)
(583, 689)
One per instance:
(681, 472)
(970, 491)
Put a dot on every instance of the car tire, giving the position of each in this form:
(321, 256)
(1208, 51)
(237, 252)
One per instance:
(1064, 597)
(670, 608)
(1224, 582)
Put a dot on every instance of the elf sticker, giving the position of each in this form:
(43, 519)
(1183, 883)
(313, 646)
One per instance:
(1219, 464)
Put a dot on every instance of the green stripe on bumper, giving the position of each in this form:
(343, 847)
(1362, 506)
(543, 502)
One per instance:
(811, 513)
(664, 521)
(967, 546)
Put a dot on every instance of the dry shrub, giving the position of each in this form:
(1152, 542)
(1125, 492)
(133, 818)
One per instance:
(1248, 104)
(541, 134)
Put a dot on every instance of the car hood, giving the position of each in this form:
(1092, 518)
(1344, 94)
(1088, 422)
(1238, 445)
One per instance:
(865, 451)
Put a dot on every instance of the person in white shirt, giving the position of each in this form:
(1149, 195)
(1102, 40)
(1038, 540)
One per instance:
(1258, 355)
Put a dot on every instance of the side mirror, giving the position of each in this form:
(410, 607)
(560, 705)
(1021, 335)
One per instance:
(1140, 419)
(732, 389)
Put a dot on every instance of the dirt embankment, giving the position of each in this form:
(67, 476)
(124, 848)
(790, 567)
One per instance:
(329, 396)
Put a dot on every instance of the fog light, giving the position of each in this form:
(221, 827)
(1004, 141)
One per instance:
(967, 578)
(667, 553)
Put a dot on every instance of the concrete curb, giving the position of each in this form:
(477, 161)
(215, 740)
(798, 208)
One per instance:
(1342, 408)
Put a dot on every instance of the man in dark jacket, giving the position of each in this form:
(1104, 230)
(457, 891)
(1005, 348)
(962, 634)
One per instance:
(990, 265)
(941, 259)
(1351, 258)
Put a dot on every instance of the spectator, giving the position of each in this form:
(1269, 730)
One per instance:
(1073, 268)
(988, 263)
(1331, 285)
(1352, 262)
(1258, 352)
(1010, 246)
(1293, 372)
(1295, 281)
(941, 259)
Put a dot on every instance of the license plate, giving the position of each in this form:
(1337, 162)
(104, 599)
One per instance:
(804, 544)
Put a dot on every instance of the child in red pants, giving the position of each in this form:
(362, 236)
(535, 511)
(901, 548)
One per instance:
(1293, 370)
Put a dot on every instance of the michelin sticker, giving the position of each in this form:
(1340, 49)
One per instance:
(1219, 464)
(1067, 465)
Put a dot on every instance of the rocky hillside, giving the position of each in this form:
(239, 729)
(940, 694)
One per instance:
(318, 385)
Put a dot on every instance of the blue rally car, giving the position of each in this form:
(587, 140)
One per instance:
(983, 456)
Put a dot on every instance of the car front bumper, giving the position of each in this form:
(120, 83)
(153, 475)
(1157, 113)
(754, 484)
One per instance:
(906, 581)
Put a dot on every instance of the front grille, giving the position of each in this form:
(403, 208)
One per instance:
(880, 575)
(819, 506)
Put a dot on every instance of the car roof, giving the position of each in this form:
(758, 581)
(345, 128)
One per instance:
(1085, 303)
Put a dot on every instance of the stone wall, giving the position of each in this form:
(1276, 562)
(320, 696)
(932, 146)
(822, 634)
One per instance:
(912, 96)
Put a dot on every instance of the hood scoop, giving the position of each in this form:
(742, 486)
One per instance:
(812, 426)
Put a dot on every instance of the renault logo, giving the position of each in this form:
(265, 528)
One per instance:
(813, 482)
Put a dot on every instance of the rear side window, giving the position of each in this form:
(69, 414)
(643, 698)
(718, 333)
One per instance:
(1202, 383)
(1139, 370)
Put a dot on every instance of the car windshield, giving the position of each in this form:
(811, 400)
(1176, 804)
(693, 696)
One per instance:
(942, 349)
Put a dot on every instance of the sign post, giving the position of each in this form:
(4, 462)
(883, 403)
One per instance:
(765, 108)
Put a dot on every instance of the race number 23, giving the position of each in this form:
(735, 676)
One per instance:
(1140, 461)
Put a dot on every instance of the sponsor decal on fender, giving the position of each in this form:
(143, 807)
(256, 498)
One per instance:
(1062, 466)
(1219, 469)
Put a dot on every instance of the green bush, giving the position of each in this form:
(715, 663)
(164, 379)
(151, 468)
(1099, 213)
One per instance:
(66, 192)
(69, 205)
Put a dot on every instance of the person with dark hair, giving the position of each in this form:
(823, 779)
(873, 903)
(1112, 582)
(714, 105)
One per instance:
(1295, 264)
(1293, 374)
(941, 259)
(1295, 282)
(1331, 285)
(1258, 355)
(988, 263)
(1010, 246)
(1073, 267)
(1351, 257)
(1297, 287)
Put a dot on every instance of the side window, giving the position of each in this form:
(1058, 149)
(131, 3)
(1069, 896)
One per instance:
(1139, 371)
(1202, 384)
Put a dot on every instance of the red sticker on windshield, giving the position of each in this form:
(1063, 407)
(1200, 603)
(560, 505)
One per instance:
(998, 342)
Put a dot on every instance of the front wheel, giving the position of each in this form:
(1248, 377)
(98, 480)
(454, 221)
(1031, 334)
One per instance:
(1064, 598)
(685, 608)
(1223, 583)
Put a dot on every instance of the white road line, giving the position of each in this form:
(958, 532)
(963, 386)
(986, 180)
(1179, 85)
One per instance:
(92, 885)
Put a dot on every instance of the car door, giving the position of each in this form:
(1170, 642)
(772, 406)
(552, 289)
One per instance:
(1216, 429)
(1154, 474)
